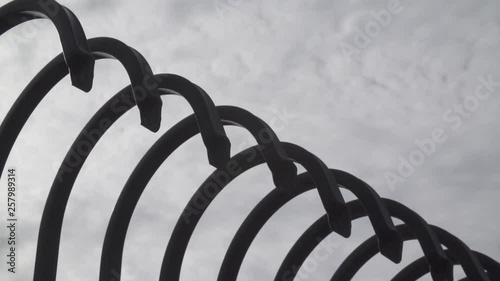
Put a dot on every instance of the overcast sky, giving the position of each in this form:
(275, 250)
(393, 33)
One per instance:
(358, 89)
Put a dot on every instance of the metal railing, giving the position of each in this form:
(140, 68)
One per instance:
(145, 91)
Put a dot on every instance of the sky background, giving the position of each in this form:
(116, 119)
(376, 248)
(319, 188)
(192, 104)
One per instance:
(302, 66)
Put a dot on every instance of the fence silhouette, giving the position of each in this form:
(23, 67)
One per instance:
(145, 91)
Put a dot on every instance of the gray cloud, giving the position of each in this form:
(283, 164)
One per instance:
(358, 115)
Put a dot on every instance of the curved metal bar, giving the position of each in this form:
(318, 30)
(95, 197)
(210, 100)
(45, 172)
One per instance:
(143, 82)
(115, 236)
(307, 242)
(207, 116)
(282, 168)
(390, 242)
(114, 240)
(442, 267)
(55, 71)
(272, 203)
(74, 42)
(194, 210)
(361, 255)
(172, 261)
(50, 228)
(339, 216)
(80, 62)
(419, 268)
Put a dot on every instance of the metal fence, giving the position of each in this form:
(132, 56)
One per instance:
(441, 249)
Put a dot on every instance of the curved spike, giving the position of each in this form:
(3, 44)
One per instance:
(144, 85)
(80, 63)
(274, 200)
(50, 228)
(282, 168)
(390, 242)
(339, 216)
(172, 261)
(419, 268)
(269, 205)
(74, 43)
(55, 71)
(367, 250)
(122, 213)
(116, 231)
(159, 152)
(440, 266)
(308, 241)
(209, 122)
(192, 214)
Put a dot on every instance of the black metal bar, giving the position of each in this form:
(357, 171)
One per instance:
(184, 228)
(56, 70)
(192, 214)
(367, 250)
(53, 214)
(208, 119)
(143, 82)
(282, 167)
(269, 205)
(122, 214)
(50, 228)
(419, 268)
(361, 255)
(274, 200)
(390, 242)
(115, 235)
(78, 59)
(339, 216)
(74, 43)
